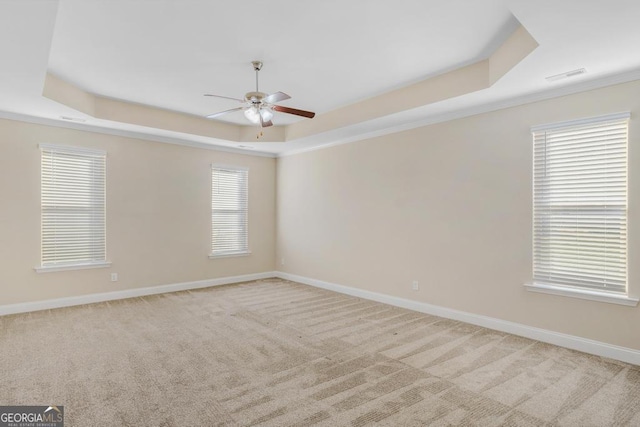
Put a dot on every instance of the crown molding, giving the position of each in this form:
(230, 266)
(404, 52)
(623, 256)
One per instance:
(129, 134)
(480, 109)
(426, 121)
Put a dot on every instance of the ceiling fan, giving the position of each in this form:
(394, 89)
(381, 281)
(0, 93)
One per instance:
(258, 106)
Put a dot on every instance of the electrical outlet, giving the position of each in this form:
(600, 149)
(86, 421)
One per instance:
(282, 261)
(414, 285)
(114, 277)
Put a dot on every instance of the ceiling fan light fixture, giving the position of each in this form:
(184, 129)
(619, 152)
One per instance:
(266, 114)
(252, 115)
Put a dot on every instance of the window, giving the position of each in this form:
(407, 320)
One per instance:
(229, 211)
(580, 205)
(72, 208)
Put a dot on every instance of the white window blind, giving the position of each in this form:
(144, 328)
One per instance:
(229, 210)
(73, 206)
(580, 204)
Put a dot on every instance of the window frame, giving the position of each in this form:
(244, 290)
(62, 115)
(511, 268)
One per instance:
(242, 211)
(574, 289)
(101, 231)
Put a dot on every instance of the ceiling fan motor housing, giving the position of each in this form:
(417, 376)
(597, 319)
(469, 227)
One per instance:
(255, 97)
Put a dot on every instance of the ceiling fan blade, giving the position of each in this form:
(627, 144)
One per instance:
(225, 97)
(295, 111)
(214, 115)
(276, 97)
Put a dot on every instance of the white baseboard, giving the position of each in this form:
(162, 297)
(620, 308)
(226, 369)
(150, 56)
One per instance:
(585, 345)
(564, 340)
(128, 293)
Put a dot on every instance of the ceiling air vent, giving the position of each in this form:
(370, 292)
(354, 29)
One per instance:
(73, 119)
(566, 75)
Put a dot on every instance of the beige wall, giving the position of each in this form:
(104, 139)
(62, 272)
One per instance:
(158, 215)
(449, 205)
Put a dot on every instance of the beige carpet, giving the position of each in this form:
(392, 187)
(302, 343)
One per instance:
(277, 353)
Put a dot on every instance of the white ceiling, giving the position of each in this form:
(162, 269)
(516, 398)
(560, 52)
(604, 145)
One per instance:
(326, 55)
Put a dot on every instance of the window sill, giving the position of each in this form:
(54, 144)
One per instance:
(582, 294)
(67, 267)
(229, 255)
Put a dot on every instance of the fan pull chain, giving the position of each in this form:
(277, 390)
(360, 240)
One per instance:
(259, 134)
